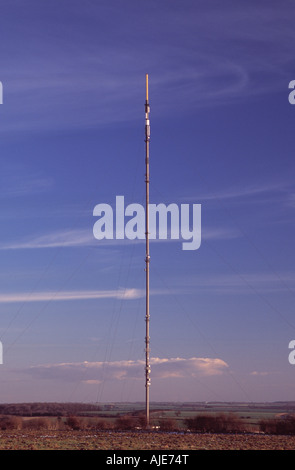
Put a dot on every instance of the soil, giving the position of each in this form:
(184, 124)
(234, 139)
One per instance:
(111, 440)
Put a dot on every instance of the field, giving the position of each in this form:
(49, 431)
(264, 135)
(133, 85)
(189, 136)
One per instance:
(103, 440)
(119, 426)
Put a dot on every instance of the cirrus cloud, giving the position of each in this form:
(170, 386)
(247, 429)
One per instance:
(124, 294)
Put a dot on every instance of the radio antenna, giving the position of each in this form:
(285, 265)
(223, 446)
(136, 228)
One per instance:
(147, 256)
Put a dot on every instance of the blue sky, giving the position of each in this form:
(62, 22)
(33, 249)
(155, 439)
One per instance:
(72, 136)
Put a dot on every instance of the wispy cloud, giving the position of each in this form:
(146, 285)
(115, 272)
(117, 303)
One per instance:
(16, 181)
(125, 294)
(281, 192)
(260, 374)
(203, 55)
(220, 233)
(60, 238)
(84, 237)
(262, 282)
(118, 370)
(255, 192)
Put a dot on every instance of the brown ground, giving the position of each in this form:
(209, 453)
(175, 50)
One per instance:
(109, 440)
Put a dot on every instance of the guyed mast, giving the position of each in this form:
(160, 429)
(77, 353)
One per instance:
(147, 256)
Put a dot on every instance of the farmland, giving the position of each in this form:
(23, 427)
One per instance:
(120, 426)
(127, 440)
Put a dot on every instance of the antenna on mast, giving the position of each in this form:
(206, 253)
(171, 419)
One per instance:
(147, 257)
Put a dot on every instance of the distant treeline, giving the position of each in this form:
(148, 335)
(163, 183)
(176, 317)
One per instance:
(214, 424)
(47, 409)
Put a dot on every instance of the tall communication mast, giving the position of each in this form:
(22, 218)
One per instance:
(147, 257)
